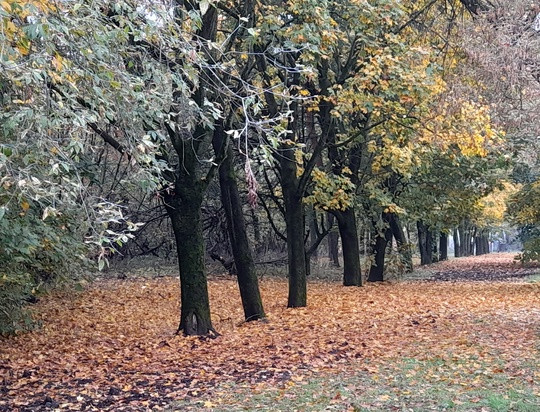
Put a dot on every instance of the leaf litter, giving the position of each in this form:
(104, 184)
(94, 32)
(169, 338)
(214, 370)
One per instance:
(112, 346)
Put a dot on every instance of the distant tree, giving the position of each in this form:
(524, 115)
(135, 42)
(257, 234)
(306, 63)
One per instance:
(503, 46)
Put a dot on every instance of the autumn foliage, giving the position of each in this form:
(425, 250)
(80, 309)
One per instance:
(112, 347)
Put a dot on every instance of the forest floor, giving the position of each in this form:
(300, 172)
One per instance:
(462, 335)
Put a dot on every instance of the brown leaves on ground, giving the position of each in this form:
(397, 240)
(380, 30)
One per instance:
(499, 266)
(112, 347)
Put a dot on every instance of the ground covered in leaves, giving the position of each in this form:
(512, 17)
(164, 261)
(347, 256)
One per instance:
(415, 345)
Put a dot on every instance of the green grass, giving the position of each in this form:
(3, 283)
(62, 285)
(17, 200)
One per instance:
(534, 278)
(407, 385)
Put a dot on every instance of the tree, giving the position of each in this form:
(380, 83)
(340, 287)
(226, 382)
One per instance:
(290, 41)
(243, 259)
(144, 81)
(49, 217)
(502, 47)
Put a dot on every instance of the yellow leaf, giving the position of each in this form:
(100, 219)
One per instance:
(58, 62)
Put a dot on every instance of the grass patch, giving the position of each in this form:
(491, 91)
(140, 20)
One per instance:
(534, 278)
(403, 385)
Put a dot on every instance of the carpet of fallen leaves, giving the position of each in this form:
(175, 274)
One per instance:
(497, 266)
(112, 347)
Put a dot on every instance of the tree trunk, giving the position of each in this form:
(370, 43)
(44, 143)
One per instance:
(478, 245)
(333, 242)
(376, 271)
(425, 243)
(482, 243)
(465, 235)
(185, 213)
(312, 219)
(472, 240)
(256, 230)
(434, 245)
(401, 242)
(184, 203)
(457, 243)
(294, 220)
(352, 272)
(443, 246)
(236, 225)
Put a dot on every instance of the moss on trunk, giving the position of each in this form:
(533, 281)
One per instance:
(184, 209)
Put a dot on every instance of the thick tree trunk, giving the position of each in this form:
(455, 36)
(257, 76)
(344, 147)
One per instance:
(185, 214)
(236, 225)
(443, 246)
(482, 243)
(465, 234)
(333, 242)
(352, 272)
(478, 246)
(376, 271)
(183, 205)
(425, 243)
(401, 241)
(294, 220)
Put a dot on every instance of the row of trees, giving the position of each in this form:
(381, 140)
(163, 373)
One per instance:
(347, 109)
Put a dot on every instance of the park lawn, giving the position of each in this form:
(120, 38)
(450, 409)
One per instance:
(414, 345)
(396, 385)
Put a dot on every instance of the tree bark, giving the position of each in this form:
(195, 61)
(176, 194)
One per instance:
(352, 272)
(256, 230)
(465, 233)
(443, 246)
(333, 242)
(248, 282)
(457, 243)
(294, 220)
(184, 202)
(401, 241)
(313, 232)
(376, 271)
(482, 243)
(185, 213)
(434, 245)
(425, 243)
